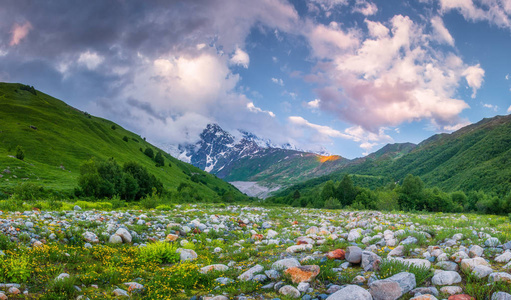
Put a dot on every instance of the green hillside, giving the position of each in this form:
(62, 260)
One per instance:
(57, 139)
(474, 158)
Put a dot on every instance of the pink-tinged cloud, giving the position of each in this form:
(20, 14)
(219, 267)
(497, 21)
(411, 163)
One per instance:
(393, 76)
(19, 32)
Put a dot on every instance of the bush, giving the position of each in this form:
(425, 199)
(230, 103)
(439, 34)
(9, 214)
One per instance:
(125, 138)
(160, 253)
(160, 161)
(149, 152)
(28, 191)
(20, 154)
(332, 203)
(113, 127)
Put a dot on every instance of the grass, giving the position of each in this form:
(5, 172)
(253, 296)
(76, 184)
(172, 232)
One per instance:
(392, 267)
(65, 137)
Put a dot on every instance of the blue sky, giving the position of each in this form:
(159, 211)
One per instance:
(348, 76)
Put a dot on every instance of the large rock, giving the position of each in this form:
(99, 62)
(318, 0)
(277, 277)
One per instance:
(448, 266)
(468, 264)
(215, 267)
(351, 292)
(398, 251)
(249, 274)
(504, 257)
(492, 242)
(303, 273)
(370, 261)
(115, 239)
(385, 290)
(475, 251)
(393, 287)
(446, 278)
(499, 276)
(424, 297)
(90, 237)
(481, 271)
(353, 254)
(124, 234)
(500, 296)
(299, 248)
(186, 254)
(285, 263)
(354, 235)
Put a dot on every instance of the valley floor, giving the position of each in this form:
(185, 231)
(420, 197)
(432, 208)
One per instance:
(236, 252)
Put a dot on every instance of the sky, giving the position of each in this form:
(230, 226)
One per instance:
(348, 76)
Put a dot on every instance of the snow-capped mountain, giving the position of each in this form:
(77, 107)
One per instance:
(246, 158)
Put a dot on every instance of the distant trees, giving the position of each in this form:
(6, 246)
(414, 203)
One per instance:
(410, 195)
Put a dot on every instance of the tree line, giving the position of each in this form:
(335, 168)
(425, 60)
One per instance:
(409, 195)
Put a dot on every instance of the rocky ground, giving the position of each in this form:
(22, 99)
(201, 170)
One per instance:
(234, 252)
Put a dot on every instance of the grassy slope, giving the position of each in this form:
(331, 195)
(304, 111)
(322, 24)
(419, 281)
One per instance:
(66, 137)
(477, 157)
(280, 167)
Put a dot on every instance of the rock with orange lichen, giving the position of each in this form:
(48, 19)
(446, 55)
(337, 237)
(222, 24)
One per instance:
(303, 273)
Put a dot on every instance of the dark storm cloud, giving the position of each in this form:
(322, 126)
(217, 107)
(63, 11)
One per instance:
(66, 27)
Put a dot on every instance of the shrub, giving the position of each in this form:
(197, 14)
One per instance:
(160, 161)
(28, 191)
(332, 203)
(125, 138)
(159, 252)
(149, 152)
(20, 154)
(113, 127)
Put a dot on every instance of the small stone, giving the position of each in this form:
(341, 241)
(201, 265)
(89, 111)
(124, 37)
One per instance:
(215, 267)
(461, 297)
(120, 293)
(285, 263)
(76, 207)
(424, 297)
(492, 242)
(398, 251)
(501, 296)
(186, 254)
(468, 264)
(3, 296)
(303, 287)
(171, 237)
(299, 248)
(90, 237)
(451, 290)
(62, 276)
(370, 261)
(115, 239)
(134, 286)
(475, 251)
(290, 291)
(448, 266)
(14, 290)
(351, 292)
(504, 257)
(446, 278)
(249, 274)
(336, 254)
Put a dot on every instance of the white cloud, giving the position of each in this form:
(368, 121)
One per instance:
(91, 60)
(490, 106)
(367, 140)
(442, 34)
(474, 76)
(365, 7)
(19, 32)
(278, 81)
(327, 40)
(457, 126)
(507, 77)
(497, 12)
(509, 109)
(314, 104)
(376, 29)
(275, 59)
(240, 58)
(251, 107)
